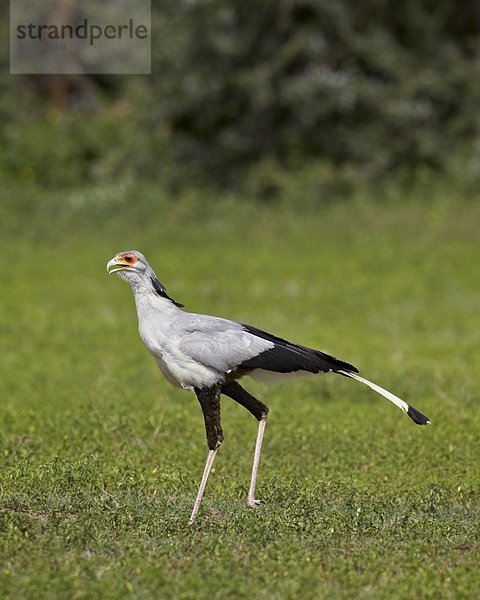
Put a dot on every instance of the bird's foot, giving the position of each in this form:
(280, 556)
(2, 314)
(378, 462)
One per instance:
(252, 503)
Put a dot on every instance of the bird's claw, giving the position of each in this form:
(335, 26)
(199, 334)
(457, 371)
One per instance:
(254, 503)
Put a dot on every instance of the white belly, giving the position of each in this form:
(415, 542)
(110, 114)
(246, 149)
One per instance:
(160, 335)
(178, 369)
(186, 373)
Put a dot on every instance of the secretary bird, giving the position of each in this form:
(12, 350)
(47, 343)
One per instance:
(208, 355)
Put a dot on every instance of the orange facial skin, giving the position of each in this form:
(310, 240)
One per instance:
(127, 259)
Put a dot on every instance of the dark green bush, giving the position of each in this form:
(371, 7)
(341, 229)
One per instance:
(242, 91)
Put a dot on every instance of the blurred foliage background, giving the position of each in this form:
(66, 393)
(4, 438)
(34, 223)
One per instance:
(255, 97)
(312, 168)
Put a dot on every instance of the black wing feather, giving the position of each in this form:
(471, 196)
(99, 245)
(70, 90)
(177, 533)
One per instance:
(286, 357)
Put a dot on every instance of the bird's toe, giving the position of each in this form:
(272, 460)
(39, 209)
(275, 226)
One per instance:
(254, 503)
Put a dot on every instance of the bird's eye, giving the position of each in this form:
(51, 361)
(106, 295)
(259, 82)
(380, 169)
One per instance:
(128, 259)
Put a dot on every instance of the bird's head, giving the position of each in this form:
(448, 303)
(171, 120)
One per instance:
(130, 265)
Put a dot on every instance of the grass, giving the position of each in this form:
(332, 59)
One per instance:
(101, 458)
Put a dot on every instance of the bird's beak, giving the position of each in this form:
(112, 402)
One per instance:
(115, 265)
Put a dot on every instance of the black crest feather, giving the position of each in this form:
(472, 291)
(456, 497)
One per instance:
(162, 292)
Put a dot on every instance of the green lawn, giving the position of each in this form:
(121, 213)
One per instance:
(101, 458)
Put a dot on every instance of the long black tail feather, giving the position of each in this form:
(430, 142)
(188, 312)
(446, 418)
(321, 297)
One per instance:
(417, 417)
